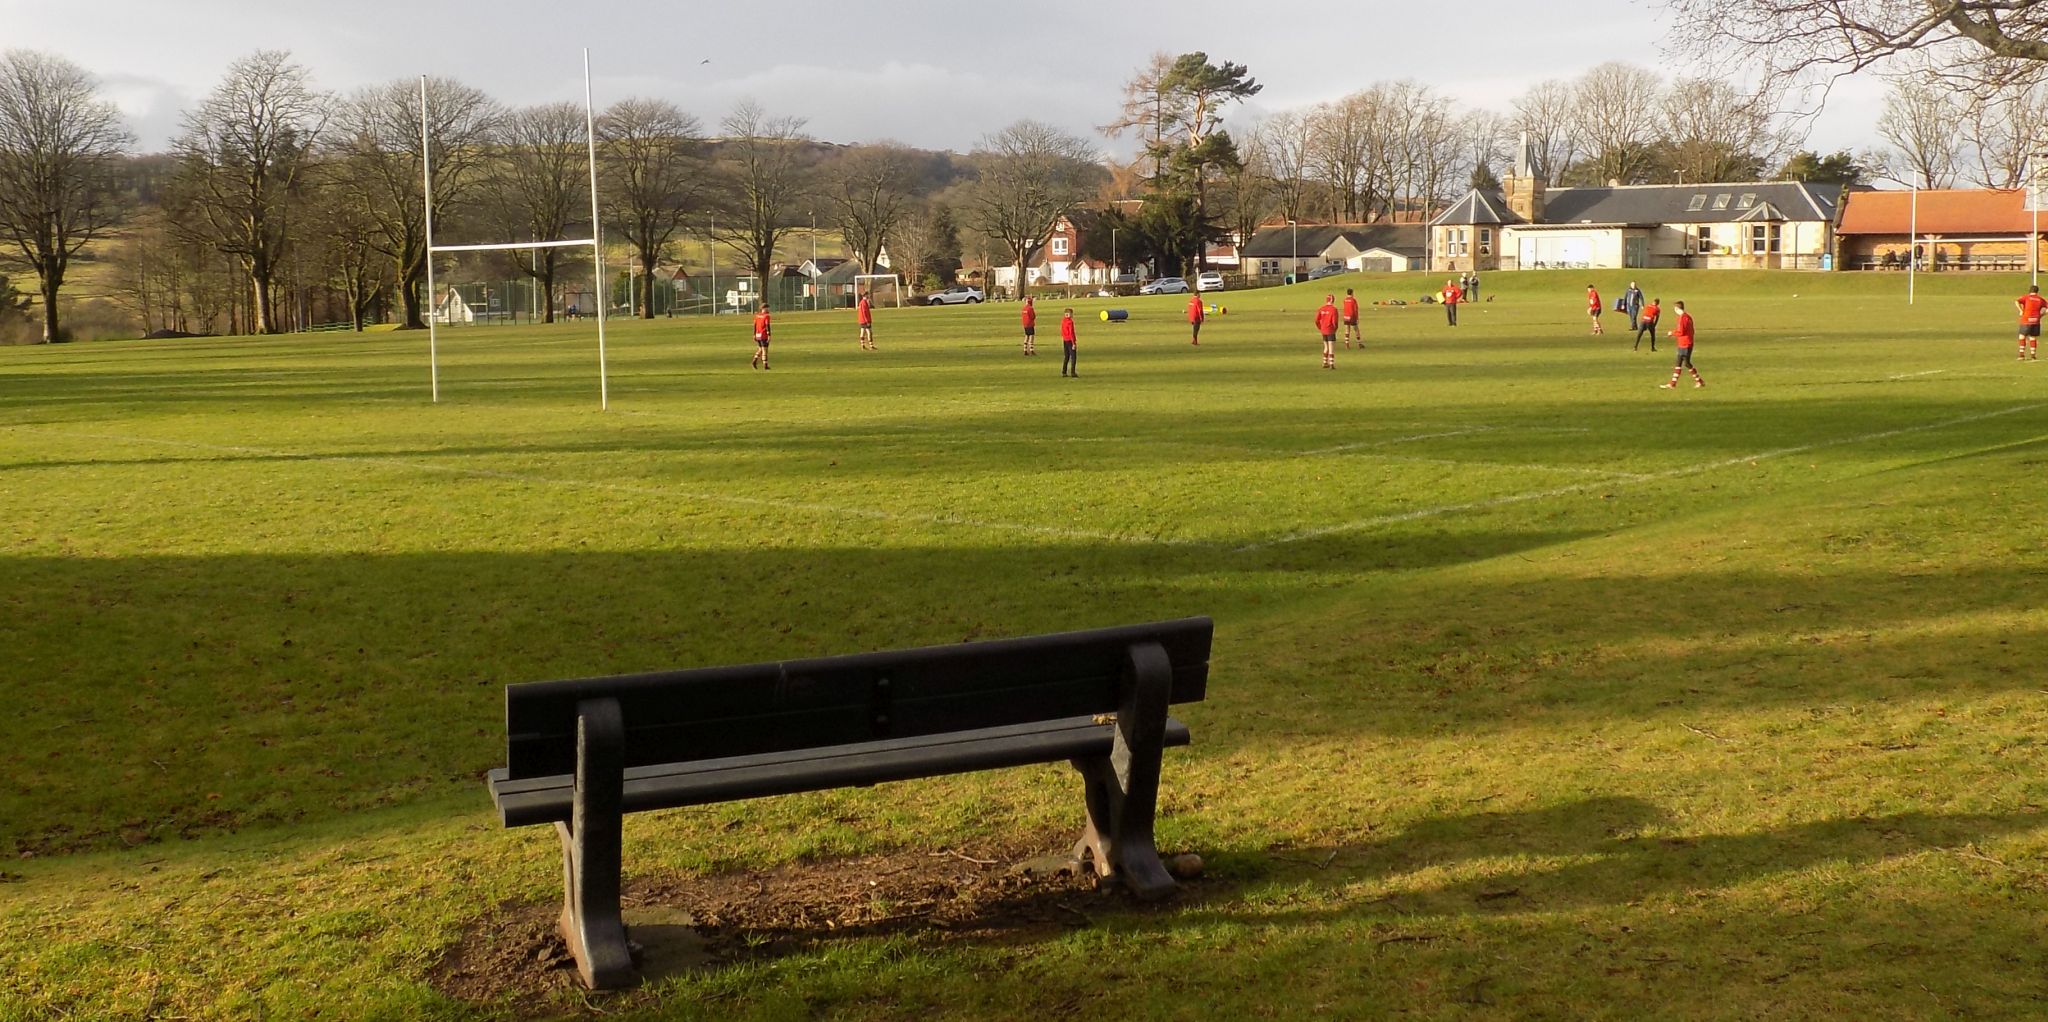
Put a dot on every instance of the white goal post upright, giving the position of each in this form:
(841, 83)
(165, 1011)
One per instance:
(594, 242)
(897, 277)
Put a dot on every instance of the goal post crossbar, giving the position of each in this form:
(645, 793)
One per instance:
(513, 246)
(595, 242)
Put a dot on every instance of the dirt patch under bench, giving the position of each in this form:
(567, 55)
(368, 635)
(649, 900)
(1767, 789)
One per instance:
(678, 923)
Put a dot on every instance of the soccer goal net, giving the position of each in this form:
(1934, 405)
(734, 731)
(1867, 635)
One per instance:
(881, 287)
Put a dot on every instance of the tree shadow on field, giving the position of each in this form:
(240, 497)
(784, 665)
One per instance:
(1620, 849)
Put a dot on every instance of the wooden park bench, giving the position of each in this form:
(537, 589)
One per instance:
(580, 754)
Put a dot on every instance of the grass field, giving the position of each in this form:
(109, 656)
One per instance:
(1538, 691)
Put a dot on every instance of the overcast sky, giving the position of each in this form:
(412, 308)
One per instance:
(927, 73)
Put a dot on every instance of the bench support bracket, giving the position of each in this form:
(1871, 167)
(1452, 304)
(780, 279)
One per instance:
(1123, 787)
(591, 924)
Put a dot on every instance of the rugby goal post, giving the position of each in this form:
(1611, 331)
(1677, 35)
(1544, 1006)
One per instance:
(2036, 174)
(594, 242)
(861, 282)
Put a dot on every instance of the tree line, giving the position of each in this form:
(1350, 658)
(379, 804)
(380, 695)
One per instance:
(276, 195)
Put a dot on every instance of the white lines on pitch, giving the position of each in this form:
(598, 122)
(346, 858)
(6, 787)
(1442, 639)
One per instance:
(1565, 491)
(1908, 376)
(873, 514)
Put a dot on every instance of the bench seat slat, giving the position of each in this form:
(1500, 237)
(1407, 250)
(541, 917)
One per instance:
(539, 800)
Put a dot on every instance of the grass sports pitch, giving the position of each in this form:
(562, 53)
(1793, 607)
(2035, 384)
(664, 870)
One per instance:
(1537, 691)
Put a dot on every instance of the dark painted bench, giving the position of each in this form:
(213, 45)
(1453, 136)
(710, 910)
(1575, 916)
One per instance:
(581, 754)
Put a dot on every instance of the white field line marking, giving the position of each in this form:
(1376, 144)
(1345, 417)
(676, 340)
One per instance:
(1564, 491)
(1908, 376)
(876, 514)
(1580, 470)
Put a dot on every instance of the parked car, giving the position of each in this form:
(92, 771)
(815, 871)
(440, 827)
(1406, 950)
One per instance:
(959, 294)
(1209, 280)
(1328, 270)
(1165, 286)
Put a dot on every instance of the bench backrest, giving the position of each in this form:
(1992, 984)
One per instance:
(715, 712)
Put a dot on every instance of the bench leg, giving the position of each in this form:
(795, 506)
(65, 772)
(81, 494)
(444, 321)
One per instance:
(591, 924)
(1123, 787)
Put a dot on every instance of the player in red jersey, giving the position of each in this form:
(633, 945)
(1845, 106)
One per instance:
(1451, 295)
(761, 325)
(1068, 367)
(1351, 320)
(1195, 318)
(864, 313)
(1646, 324)
(1593, 307)
(1030, 317)
(2030, 305)
(1326, 324)
(1682, 333)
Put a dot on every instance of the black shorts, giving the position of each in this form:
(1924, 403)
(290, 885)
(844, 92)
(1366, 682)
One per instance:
(1351, 321)
(760, 342)
(1329, 338)
(1196, 326)
(1684, 358)
(2030, 329)
(1030, 330)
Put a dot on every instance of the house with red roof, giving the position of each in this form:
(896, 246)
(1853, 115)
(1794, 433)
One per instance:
(1948, 228)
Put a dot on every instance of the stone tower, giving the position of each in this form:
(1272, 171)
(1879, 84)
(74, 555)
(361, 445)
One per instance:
(1524, 190)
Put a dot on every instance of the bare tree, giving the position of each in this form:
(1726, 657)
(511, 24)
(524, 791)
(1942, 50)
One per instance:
(1283, 142)
(344, 237)
(1030, 175)
(1718, 132)
(1248, 195)
(243, 156)
(538, 184)
(869, 196)
(767, 172)
(1614, 108)
(1787, 40)
(1486, 140)
(1341, 150)
(925, 244)
(377, 145)
(1923, 121)
(655, 180)
(2002, 128)
(1546, 112)
(1151, 107)
(59, 144)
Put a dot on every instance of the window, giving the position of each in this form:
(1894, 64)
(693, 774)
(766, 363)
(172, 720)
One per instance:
(1706, 240)
(1699, 202)
(1059, 246)
(1721, 200)
(1486, 241)
(1269, 267)
(1763, 238)
(1748, 199)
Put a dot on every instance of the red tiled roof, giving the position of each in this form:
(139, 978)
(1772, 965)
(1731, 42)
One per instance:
(1956, 211)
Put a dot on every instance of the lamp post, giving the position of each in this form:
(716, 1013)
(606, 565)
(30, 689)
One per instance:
(711, 256)
(1115, 270)
(1295, 268)
(814, 261)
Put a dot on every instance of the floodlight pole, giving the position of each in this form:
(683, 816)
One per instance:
(711, 254)
(604, 387)
(815, 275)
(427, 192)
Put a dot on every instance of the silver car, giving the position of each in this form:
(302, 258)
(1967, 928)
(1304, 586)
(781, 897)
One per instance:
(1166, 286)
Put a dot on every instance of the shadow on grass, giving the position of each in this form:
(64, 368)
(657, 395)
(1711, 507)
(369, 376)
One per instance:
(1607, 856)
(158, 697)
